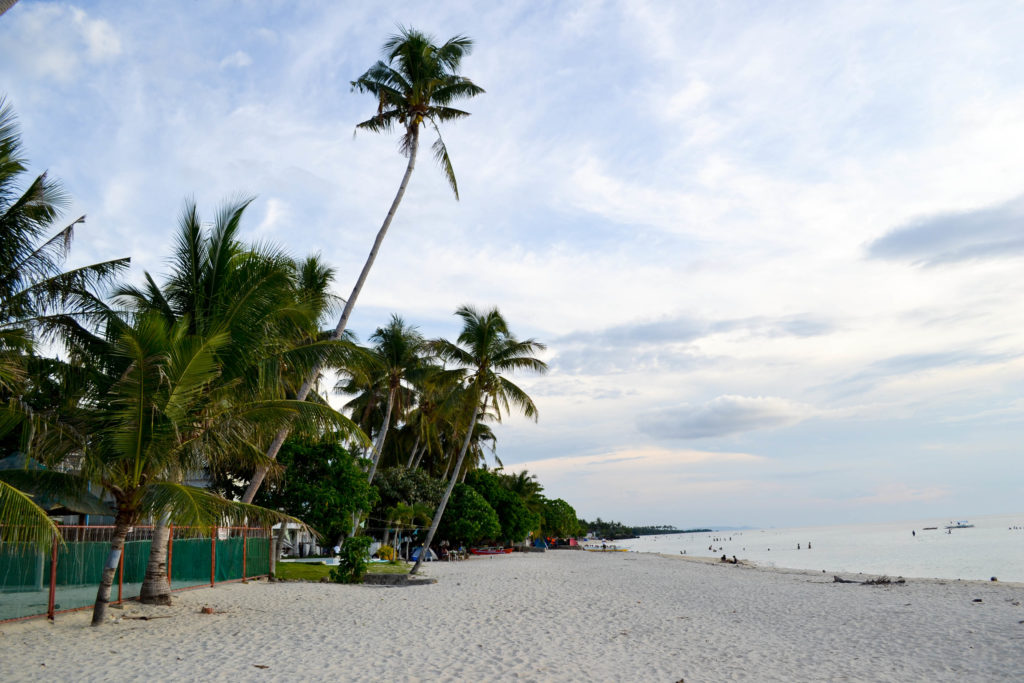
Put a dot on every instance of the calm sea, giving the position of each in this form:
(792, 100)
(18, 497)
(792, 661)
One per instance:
(994, 547)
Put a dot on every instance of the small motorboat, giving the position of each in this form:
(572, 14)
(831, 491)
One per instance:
(491, 551)
(963, 524)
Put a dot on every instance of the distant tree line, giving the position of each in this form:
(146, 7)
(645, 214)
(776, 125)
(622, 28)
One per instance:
(614, 530)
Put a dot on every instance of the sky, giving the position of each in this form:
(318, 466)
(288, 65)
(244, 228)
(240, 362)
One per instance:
(775, 250)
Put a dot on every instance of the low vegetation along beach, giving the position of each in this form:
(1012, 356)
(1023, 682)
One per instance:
(559, 615)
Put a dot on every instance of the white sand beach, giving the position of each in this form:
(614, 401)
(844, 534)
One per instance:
(556, 616)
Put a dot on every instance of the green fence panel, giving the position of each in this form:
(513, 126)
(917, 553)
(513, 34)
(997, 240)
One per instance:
(190, 563)
(135, 558)
(79, 572)
(24, 582)
(21, 569)
(229, 559)
(257, 557)
(25, 575)
(81, 563)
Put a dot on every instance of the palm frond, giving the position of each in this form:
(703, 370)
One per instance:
(22, 522)
(198, 508)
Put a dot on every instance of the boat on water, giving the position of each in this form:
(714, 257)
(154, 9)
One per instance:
(491, 551)
(605, 548)
(963, 524)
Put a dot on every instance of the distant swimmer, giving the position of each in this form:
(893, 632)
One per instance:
(913, 533)
(808, 545)
(724, 558)
(798, 546)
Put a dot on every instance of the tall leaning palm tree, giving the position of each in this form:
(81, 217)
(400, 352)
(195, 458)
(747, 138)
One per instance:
(487, 349)
(414, 85)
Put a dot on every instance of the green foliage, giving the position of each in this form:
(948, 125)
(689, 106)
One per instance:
(38, 297)
(322, 484)
(386, 552)
(469, 518)
(559, 519)
(400, 485)
(355, 551)
(613, 530)
(610, 530)
(516, 519)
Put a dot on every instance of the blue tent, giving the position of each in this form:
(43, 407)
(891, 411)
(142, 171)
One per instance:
(431, 556)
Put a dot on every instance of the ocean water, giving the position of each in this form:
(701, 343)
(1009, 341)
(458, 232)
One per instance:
(994, 547)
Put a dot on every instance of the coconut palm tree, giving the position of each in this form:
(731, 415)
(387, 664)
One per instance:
(37, 297)
(399, 356)
(487, 348)
(268, 305)
(160, 410)
(438, 402)
(414, 86)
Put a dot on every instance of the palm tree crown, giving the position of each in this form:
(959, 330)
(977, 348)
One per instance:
(416, 84)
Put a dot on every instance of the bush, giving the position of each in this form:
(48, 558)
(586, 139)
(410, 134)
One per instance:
(386, 552)
(352, 561)
(468, 518)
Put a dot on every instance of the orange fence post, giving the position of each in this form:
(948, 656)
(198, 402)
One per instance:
(244, 548)
(170, 553)
(120, 576)
(53, 582)
(213, 556)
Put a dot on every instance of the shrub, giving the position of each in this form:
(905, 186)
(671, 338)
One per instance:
(386, 552)
(352, 561)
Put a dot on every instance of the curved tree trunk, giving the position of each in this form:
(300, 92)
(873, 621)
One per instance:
(99, 610)
(378, 447)
(419, 457)
(156, 587)
(412, 453)
(451, 487)
(275, 446)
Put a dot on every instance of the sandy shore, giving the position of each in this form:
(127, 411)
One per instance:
(559, 615)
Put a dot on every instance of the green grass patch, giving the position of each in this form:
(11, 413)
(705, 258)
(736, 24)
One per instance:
(301, 571)
(306, 571)
(381, 568)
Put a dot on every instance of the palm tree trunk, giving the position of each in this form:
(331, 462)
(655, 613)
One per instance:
(156, 589)
(412, 453)
(99, 610)
(272, 556)
(275, 446)
(378, 447)
(451, 486)
(419, 458)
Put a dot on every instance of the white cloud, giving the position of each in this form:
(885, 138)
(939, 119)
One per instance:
(722, 416)
(238, 59)
(101, 40)
(660, 221)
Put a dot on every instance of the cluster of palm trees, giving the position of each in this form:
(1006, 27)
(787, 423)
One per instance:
(213, 367)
